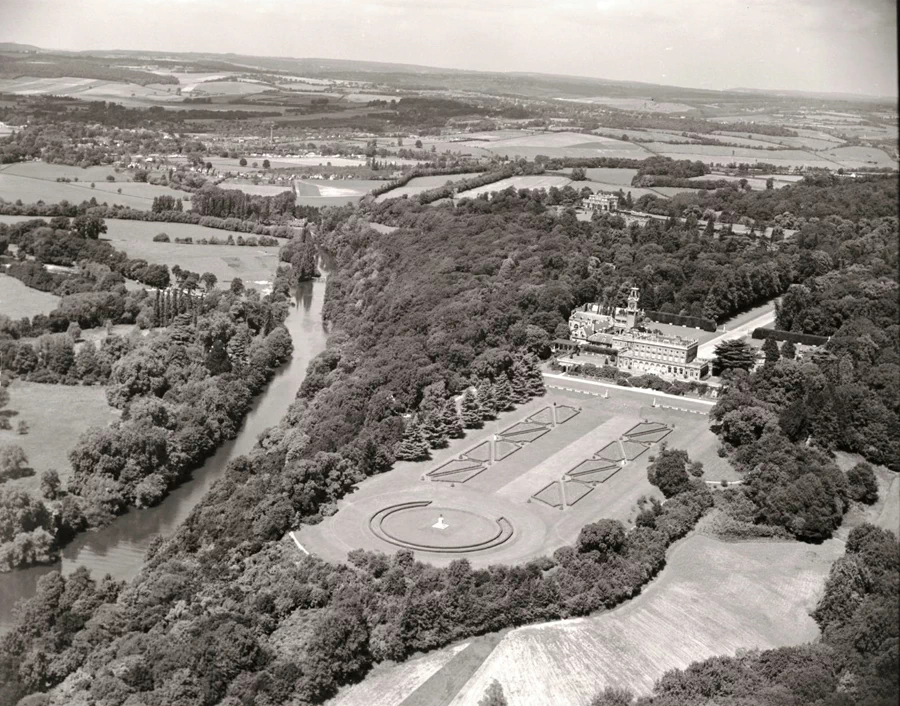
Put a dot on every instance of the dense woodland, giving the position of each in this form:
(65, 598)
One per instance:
(458, 303)
(183, 389)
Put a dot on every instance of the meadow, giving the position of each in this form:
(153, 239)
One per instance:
(712, 598)
(17, 300)
(56, 415)
(420, 184)
(36, 181)
(519, 182)
(254, 265)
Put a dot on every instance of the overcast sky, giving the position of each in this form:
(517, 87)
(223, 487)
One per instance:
(814, 45)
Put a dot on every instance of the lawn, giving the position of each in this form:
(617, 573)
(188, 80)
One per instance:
(514, 486)
(56, 415)
(17, 300)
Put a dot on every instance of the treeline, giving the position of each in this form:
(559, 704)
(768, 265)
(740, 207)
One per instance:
(423, 172)
(795, 204)
(233, 203)
(347, 617)
(60, 243)
(117, 211)
(854, 662)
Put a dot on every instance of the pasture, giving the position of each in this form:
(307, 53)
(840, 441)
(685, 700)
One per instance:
(18, 300)
(511, 504)
(56, 415)
(519, 182)
(713, 598)
(254, 265)
(420, 184)
(36, 181)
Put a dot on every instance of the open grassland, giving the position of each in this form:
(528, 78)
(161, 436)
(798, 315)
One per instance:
(17, 300)
(36, 181)
(885, 512)
(810, 143)
(420, 184)
(390, 685)
(254, 265)
(519, 182)
(713, 598)
(642, 105)
(248, 187)
(56, 415)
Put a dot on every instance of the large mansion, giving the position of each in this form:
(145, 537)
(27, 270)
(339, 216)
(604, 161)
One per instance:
(618, 337)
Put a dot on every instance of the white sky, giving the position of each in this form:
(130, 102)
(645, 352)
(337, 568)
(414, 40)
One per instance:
(814, 45)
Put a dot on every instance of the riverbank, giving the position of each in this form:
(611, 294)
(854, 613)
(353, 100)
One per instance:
(119, 548)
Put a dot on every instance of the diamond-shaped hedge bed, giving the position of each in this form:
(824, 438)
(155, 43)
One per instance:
(503, 448)
(549, 494)
(454, 466)
(522, 429)
(601, 475)
(575, 491)
(592, 465)
(633, 448)
(564, 413)
(611, 452)
(482, 452)
(543, 416)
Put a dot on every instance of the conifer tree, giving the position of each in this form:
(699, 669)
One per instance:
(534, 376)
(471, 411)
(788, 350)
(433, 428)
(770, 348)
(519, 384)
(503, 394)
(486, 399)
(450, 417)
(413, 446)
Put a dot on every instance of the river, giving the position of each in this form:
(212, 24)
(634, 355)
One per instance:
(119, 548)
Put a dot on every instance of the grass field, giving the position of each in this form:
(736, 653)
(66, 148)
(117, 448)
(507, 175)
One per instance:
(255, 265)
(420, 184)
(518, 182)
(508, 487)
(712, 598)
(390, 686)
(56, 415)
(17, 300)
(36, 181)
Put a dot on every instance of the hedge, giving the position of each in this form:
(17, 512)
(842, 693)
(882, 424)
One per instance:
(805, 338)
(691, 321)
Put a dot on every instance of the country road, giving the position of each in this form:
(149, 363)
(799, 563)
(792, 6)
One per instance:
(708, 349)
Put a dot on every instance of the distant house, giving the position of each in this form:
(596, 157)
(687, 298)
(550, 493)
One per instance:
(601, 202)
